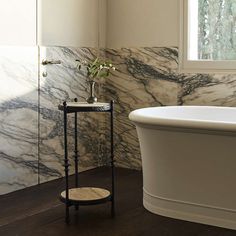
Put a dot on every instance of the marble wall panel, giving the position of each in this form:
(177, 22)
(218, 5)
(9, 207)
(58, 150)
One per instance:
(149, 77)
(144, 77)
(65, 82)
(208, 89)
(31, 142)
(18, 118)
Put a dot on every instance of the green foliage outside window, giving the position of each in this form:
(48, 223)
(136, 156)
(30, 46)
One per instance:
(217, 30)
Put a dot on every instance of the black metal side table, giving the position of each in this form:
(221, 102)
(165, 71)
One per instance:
(85, 195)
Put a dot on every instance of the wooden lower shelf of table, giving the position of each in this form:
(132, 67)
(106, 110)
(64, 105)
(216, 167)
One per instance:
(86, 196)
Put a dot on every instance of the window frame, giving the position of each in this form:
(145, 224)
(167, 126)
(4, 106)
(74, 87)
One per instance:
(196, 66)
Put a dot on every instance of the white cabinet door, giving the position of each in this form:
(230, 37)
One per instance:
(68, 23)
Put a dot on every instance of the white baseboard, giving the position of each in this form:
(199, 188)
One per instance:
(190, 212)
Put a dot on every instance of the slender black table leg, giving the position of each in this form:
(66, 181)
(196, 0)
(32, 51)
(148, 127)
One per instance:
(76, 108)
(112, 161)
(76, 153)
(67, 218)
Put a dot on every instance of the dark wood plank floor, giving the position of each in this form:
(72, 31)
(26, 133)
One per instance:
(37, 211)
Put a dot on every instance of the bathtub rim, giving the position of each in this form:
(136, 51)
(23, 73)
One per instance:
(227, 128)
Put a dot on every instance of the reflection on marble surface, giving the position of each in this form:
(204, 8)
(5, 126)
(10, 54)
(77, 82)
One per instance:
(18, 118)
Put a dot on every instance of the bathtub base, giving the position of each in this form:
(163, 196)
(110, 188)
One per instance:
(189, 211)
(189, 162)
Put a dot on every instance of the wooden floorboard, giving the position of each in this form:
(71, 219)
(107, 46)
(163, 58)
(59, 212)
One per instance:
(36, 211)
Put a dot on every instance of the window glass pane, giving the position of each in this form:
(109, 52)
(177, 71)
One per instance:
(216, 29)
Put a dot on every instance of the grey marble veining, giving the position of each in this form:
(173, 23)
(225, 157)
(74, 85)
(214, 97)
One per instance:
(31, 142)
(63, 83)
(18, 118)
(149, 77)
(208, 89)
(144, 77)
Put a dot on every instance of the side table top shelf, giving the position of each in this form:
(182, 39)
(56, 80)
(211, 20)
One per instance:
(85, 107)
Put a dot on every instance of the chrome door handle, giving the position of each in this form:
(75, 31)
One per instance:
(50, 62)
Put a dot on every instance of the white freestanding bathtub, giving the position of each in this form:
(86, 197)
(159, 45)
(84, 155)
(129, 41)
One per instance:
(189, 162)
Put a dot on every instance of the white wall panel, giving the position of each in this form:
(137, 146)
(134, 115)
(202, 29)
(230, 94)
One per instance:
(135, 23)
(18, 22)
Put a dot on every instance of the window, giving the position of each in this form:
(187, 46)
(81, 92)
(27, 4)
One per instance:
(208, 37)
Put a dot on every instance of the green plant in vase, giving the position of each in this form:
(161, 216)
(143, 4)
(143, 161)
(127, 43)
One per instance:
(95, 70)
